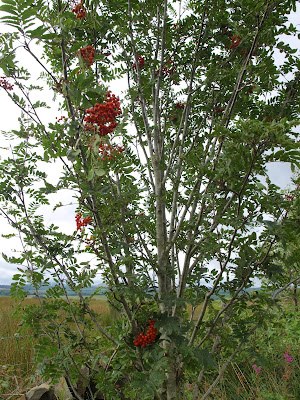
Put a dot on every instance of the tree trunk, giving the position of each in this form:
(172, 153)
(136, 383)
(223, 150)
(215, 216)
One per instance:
(295, 300)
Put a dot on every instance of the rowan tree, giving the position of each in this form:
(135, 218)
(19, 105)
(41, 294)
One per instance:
(174, 206)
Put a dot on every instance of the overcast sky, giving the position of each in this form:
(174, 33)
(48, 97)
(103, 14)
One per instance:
(279, 173)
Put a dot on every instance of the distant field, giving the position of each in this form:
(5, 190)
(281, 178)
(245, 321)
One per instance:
(96, 297)
(5, 291)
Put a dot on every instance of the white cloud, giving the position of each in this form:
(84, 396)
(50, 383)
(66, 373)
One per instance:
(7, 271)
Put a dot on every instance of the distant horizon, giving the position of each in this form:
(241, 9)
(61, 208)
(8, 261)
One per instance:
(29, 284)
(4, 285)
(94, 290)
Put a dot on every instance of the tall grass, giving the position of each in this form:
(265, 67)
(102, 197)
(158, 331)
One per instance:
(269, 368)
(274, 377)
(16, 353)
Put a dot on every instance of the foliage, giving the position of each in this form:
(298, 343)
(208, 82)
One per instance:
(284, 267)
(275, 374)
(169, 182)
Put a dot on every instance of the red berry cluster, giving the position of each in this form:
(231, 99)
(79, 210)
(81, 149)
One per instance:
(219, 109)
(141, 61)
(101, 118)
(108, 151)
(60, 119)
(79, 10)
(235, 41)
(289, 197)
(5, 84)
(144, 340)
(168, 70)
(179, 105)
(251, 89)
(82, 222)
(87, 54)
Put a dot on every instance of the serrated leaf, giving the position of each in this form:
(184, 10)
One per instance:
(8, 9)
(27, 3)
(10, 19)
(38, 32)
(29, 25)
(46, 156)
(11, 2)
(30, 12)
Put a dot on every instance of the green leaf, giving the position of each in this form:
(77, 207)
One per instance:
(46, 156)
(99, 171)
(260, 185)
(30, 12)
(91, 174)
(11, 20)
(38, 32)
(72, 154)
(9, 10)
(271, 225)
(11, 2)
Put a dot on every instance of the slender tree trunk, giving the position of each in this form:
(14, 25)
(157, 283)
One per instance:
(169, 391)
(172, 389)
(295, 300)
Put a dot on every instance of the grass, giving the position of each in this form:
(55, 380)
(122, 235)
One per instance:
(16, 354)
(17, 379)
(263, 371)
(277, 380)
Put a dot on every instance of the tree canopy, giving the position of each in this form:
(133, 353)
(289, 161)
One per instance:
(175, 207)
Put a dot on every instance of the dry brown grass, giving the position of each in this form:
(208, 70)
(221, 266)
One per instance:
(14, 378)
(196, 311)
(13, 351)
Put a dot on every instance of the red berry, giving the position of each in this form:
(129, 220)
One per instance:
(87, 54)
(4, 84)
(101, 118)
(79, 10)
(142, 340)
(141, 61)
(235, 41)
(179, 105)
(80, 223)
